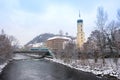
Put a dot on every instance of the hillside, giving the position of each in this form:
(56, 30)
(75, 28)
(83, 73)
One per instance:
(40, 38)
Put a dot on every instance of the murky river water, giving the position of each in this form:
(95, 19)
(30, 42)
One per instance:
(42, 70)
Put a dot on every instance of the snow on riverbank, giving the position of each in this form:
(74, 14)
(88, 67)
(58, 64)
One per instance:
(2, 66)
(20, 56)
(110, 68)
(16, 57)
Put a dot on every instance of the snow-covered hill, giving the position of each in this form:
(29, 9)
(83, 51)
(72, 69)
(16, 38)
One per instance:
(40, 39)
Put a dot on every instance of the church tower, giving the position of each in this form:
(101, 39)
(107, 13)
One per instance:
(80, 33)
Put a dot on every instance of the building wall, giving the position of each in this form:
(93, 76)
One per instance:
(56, 44)
(80, 33)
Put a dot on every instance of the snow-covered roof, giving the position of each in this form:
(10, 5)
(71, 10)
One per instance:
(59, 37)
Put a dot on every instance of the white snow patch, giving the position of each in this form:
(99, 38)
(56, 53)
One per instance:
(2, 66)
(20, 56)
(34, 55)
(59, 37)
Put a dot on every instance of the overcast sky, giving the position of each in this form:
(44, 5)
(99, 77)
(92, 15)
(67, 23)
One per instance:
(26, 19)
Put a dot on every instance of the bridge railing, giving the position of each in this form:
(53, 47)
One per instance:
(43, 53)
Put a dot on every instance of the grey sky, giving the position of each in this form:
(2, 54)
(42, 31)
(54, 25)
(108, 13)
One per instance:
(26, 19)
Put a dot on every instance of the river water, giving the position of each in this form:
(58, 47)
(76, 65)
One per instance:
(41, 69)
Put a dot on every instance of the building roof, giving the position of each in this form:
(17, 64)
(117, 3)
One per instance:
(79, 21)
(59, 37)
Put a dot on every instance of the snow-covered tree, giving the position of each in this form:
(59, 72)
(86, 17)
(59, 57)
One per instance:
(101, 24)
(5, 47)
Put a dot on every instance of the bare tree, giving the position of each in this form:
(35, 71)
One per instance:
(118, 14)
(69, 51)
(5, 47)
(101, 24)
(113, 39)
(118, 32)
(66, 34)
(60, 32)
(14, 42)
(92, 45)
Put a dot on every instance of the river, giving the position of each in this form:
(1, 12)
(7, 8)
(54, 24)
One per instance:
(41, 69)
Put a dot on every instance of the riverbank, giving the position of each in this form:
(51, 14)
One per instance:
(109, 70)
(2, 66)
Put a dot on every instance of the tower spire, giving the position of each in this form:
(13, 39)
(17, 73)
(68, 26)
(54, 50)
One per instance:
(79, 14)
